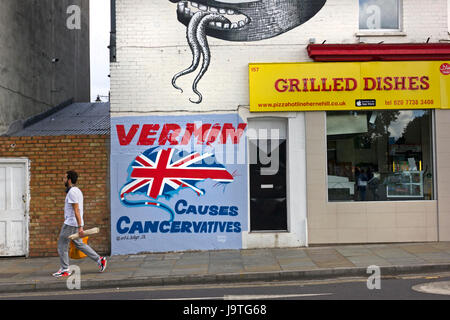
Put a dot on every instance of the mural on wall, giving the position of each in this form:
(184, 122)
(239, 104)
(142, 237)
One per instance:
(236, 20)
(178, 183)
(163, 173)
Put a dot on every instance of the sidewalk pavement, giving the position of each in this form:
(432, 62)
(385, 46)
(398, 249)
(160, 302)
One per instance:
(201, 267)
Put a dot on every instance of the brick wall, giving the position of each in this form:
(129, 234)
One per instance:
(50, 157)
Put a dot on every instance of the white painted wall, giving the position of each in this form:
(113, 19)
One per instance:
(152, 47)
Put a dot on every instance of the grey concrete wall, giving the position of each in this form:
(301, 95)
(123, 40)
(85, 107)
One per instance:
(32, 33)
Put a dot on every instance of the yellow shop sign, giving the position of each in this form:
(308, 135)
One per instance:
(349, 86)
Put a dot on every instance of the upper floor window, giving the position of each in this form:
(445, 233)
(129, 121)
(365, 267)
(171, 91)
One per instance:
(448, 15)
(379, 15)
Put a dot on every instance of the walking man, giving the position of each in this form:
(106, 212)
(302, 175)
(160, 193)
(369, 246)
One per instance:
(73, 223)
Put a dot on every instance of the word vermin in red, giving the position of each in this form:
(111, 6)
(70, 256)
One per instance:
(175, 134)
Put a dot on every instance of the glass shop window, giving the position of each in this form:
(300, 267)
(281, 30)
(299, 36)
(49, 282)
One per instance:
(380, 15)
(380, 155)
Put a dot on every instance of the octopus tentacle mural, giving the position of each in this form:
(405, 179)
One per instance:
(196, 35)
(236, 20)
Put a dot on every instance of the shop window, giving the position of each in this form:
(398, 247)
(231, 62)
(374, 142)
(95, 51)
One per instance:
(380, 15)
(380, 155)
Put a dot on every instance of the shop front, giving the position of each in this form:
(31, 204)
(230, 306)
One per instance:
(207, 182)
(376, 138)
(346, 145)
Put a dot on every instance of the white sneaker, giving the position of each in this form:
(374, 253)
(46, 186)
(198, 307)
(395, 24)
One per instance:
(102, 264)
(62, 273)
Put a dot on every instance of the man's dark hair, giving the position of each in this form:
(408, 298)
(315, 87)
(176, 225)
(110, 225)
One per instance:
(73, 176)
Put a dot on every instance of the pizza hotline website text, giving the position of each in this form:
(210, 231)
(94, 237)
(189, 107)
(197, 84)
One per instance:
(302, 104)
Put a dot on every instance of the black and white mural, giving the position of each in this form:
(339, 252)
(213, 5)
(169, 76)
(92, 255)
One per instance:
(236, 20)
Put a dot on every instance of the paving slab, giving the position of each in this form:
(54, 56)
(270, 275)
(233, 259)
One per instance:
(296, 264)
(417, 249)
(368, 260)
(392, 252)
(327, 258)
(434, 257)
(354, 251)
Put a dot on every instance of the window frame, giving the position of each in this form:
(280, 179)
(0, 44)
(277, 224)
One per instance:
(383, 32)
(448, 16)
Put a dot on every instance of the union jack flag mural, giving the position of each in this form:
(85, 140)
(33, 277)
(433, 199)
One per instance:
(161, 173)
(178, 183)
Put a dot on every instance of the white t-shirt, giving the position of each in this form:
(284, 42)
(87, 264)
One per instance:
(73, 196)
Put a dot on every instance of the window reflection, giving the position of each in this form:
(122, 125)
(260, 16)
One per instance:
(379, 155)
(379, 14)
